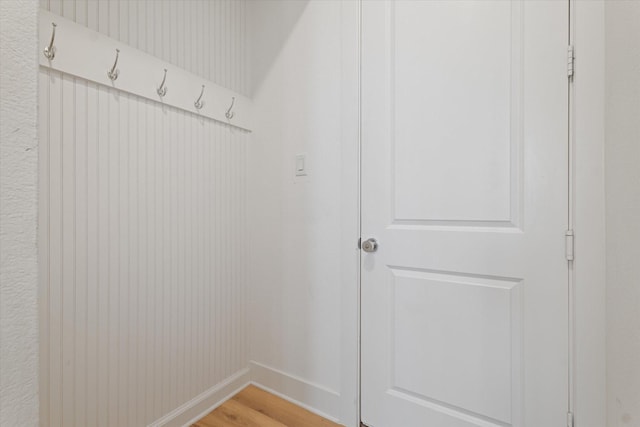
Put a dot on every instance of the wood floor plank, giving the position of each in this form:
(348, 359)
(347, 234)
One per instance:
(254, 407)
(280, 409)
(235, 414)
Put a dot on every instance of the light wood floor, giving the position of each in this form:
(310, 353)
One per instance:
(253, 407)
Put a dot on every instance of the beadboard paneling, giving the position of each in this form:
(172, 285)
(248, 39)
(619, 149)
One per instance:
(142, 224)
(205, 37)
(142, 234)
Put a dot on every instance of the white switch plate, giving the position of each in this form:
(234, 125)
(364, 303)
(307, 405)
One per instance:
(301, 166)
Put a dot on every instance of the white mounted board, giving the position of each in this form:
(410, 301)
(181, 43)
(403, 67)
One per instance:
(87, 54)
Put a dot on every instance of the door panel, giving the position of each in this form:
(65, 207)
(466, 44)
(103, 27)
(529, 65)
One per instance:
(453, 61)
(473, 317)
(464, 185)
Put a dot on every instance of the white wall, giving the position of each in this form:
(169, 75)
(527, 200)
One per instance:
(142, 228)
(18, 214)
(623, 211)
(588, 269)
(298, 257)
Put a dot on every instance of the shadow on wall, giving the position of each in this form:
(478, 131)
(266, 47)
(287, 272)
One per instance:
(271, 23)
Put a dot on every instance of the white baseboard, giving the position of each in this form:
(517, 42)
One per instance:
(313, 397)
(205, 402)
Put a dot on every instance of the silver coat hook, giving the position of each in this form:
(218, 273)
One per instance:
(114, 72)
(229, 115)
(162, 90)
(199, 104)
(50, 51)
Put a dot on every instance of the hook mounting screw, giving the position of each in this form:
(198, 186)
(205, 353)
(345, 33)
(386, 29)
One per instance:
(229, 114)
(162, 90)
(199, 103)
(50, 51)
(113, 73)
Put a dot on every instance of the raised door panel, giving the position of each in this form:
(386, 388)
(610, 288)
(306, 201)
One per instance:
(464, 333)
(455, 87)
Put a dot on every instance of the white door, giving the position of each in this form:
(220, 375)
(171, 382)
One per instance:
(464, 187)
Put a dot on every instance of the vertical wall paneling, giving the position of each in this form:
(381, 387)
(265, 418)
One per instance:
(55, 252)
(80, 254)
(103, 255)
(144, 254)
(68, 282)
(92, 255)
(43, 238)
(142, 224)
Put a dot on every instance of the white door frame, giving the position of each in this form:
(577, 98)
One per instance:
(588, 393)
(350, 215)
(588, 204)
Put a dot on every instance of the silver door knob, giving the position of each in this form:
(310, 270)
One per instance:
(370, 245)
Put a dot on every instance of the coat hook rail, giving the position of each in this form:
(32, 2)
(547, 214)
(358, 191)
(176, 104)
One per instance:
(50, 51)
(89, 55)
(113, 73)
(229, 114)
(199, 103)
(162, 90)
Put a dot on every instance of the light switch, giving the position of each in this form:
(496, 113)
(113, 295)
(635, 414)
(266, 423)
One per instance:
(301, 169)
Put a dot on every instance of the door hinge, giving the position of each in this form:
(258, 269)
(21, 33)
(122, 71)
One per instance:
(569, 245)
(570, 419)
(571, 59)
